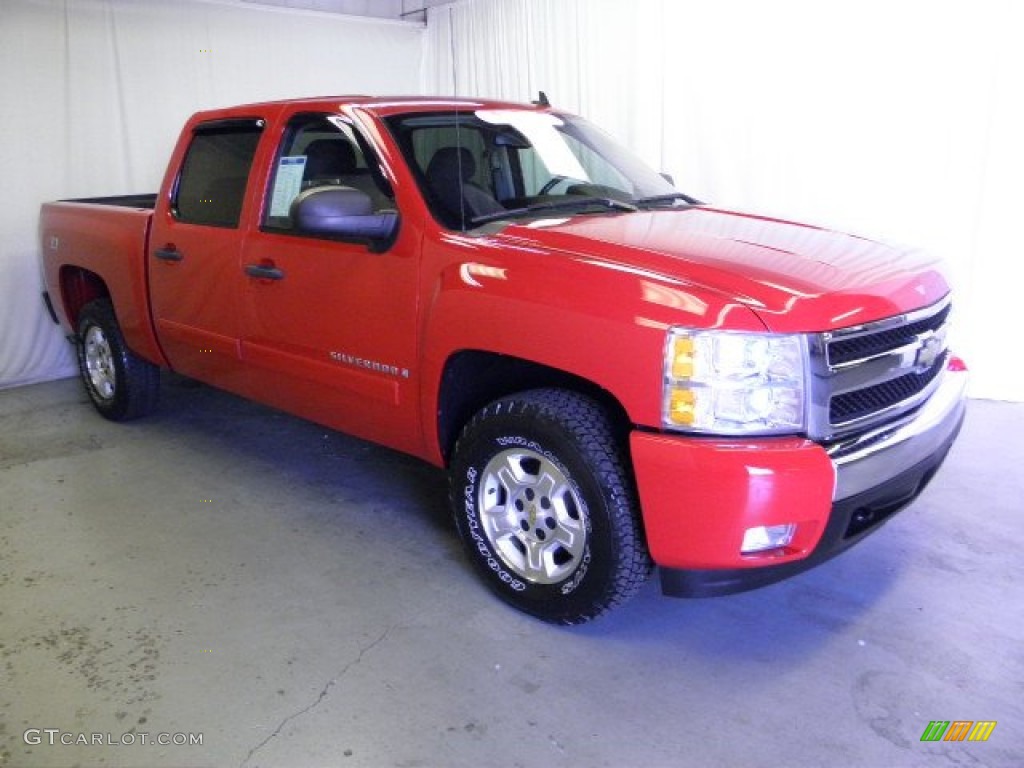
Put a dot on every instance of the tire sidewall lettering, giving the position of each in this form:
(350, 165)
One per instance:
(577, 439)
(480, 542)
(473, 528)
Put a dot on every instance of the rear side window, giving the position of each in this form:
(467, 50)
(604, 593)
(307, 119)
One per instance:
(211, 186)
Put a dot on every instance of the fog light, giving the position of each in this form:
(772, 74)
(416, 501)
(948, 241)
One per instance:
(767, 537)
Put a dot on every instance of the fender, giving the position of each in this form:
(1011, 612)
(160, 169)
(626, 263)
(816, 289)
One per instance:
(548, 306)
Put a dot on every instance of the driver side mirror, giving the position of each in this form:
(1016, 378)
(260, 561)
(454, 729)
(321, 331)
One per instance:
(343, 212)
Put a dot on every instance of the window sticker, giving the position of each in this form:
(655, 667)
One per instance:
(287, 184)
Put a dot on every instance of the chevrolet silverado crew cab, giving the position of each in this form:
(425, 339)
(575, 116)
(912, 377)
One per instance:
(615, 376)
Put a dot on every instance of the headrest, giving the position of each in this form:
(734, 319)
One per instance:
(453, 161)
(329, 159)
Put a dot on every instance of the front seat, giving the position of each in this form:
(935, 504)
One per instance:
(449, 175)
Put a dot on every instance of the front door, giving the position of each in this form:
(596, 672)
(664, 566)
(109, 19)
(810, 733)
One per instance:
(329, 326)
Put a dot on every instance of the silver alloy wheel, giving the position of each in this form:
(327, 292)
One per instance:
(532, 516)
(99, 362)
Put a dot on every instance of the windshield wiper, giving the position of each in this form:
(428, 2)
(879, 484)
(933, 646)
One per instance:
(669, 198)
(609, 203)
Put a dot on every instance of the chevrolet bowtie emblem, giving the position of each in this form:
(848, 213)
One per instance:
(930, 351)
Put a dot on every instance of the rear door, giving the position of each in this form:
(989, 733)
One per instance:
(194, 252)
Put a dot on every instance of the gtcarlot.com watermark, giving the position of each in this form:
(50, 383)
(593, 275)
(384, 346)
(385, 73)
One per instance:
(55, 737)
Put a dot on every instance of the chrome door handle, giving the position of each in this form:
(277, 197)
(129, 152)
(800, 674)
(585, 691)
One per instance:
(168, 254)
(264, 271)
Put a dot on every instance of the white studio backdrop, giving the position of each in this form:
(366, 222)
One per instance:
(895, 119)
(93, 94)
(901, 120)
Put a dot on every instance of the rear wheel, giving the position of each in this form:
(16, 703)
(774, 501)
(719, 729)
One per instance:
(545, 506)
(120, 384)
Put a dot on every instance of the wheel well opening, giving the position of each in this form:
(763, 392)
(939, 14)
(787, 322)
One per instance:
(472, 379)
(78, 287)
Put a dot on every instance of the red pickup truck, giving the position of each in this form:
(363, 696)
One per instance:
(615, 375)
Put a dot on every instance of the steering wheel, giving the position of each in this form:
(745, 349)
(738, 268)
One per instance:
(553, 182)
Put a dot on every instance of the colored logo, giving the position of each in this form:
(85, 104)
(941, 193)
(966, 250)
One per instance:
(958, 730)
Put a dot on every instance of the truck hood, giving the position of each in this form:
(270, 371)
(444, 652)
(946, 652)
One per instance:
(795, 277)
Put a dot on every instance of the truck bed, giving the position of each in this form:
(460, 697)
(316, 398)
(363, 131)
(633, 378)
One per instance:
(145, 201)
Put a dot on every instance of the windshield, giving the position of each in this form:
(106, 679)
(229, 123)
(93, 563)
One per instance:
(480, 166)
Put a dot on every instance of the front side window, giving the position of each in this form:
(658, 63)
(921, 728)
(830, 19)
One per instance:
(483, 165)
(320, 150)
(213, 178)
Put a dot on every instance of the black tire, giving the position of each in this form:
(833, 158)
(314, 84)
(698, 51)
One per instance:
(120, 384)
(546, 508)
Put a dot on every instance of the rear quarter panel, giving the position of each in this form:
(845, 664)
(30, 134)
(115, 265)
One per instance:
(109, 242)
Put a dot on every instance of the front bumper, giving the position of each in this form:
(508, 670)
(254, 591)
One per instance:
(700, 495)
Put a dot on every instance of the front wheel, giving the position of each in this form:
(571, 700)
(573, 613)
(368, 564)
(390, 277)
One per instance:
(545, 506)
(120, 384)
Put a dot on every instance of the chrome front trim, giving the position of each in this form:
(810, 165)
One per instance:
(871, 458)
(890, 323)
(921, 352)
(906, 354)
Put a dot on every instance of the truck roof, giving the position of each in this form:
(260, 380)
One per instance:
(381, 105)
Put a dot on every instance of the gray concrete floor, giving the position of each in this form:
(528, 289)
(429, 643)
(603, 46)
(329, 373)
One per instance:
(298, 598)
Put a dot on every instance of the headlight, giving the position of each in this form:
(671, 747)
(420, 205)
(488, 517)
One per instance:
(734, 383)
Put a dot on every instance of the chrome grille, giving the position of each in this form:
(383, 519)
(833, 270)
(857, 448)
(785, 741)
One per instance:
(866, 375)
(863, 402)
(845, 350)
